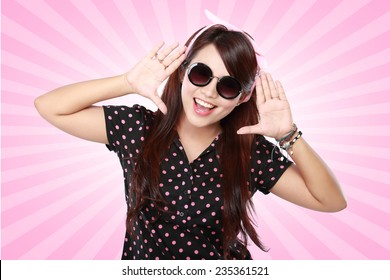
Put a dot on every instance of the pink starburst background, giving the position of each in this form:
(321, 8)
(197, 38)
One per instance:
(62, 197)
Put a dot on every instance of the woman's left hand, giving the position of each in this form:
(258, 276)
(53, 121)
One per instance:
(274, 110)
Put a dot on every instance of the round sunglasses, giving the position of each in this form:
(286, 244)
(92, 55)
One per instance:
(201, 75)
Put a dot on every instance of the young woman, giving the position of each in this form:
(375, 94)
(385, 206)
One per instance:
(192, 167)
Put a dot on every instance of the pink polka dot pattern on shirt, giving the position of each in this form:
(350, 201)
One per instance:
(191, 225)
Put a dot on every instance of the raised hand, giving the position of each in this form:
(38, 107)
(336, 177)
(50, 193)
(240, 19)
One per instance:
(147, 75)
(274, 110)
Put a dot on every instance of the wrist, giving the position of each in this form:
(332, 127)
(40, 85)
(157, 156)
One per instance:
(288, 135)
(128, 85)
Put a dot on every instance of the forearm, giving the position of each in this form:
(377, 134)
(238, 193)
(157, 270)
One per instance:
(73, 98)
(318, 178)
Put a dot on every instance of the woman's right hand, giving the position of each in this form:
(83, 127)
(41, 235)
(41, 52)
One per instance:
(148, 74)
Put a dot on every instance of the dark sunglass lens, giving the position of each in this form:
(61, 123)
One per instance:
(228, 87)
(200, 75)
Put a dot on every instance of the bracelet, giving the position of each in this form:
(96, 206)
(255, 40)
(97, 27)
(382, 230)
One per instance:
(288, 144)
(288, 135)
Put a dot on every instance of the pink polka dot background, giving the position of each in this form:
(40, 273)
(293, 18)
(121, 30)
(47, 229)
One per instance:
(62, 198)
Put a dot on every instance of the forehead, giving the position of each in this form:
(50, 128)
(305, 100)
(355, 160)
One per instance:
(209, 55)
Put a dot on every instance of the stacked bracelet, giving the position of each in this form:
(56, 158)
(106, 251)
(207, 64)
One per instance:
(286, 142)
(286, 145)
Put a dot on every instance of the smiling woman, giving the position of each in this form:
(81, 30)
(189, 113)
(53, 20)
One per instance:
(192, 167)
(62, 197)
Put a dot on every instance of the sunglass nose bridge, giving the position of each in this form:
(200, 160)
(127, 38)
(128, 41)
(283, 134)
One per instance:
(228, 87)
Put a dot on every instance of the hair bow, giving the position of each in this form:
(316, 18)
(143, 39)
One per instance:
(261, 61)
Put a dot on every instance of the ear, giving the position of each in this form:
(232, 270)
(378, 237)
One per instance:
(181, 75)
(247, 96)
(244, 98)
(182, 70)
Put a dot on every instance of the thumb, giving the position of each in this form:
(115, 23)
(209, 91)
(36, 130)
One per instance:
(252, 129)
(159, 103)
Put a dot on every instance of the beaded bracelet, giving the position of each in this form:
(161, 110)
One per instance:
(288, 144)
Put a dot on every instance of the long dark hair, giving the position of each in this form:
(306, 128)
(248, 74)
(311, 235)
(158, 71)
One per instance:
(240, 60)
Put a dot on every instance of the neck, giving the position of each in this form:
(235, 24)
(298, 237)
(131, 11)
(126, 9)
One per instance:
(186, 130)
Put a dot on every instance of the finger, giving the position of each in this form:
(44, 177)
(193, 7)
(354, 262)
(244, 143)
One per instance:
(165, 52)
(271, 85)
(280, 89)
(175, 64)
(153, 52)
(252, 129)
(177, 54)
(159, 103)
(264, 84)
(259, 91)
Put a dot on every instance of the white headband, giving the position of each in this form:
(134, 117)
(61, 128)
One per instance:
(261, 61)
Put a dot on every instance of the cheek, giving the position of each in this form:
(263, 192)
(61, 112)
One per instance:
(187, 89)
(184, 87)
(229, 105)
(226, 108)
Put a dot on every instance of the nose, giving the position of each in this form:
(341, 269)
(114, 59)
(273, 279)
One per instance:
(210, 90)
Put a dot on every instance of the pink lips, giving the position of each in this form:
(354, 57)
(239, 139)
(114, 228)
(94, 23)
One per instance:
(201, 110)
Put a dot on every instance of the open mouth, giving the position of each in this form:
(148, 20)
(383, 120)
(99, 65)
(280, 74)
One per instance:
(203, 105)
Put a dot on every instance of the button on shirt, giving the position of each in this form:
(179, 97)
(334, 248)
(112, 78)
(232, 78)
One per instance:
(190, 226)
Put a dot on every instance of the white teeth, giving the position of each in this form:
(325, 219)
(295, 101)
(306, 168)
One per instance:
(204, 104)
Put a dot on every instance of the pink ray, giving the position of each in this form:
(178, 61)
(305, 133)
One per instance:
(361, 61)
(104, 21)
(356, 33)
(317, 30)
(358, 150)
(23, 182)
(134, 21)
(163, 16)
(23, 34)
(295, 247)
(11, 152)
(326, 233)
(54, 213)
(68, 239)
(114, 224)
(361, 89)
(365, 172)
(17, 199)
(295, 22)
(62, 24)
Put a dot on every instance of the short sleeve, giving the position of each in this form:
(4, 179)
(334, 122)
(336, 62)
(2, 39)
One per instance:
(267, 165)
(126, 127)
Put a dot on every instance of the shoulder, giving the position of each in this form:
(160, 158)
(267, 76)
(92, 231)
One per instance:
(136, 112)
(126, 126)
(127, 117)
(267, 164)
